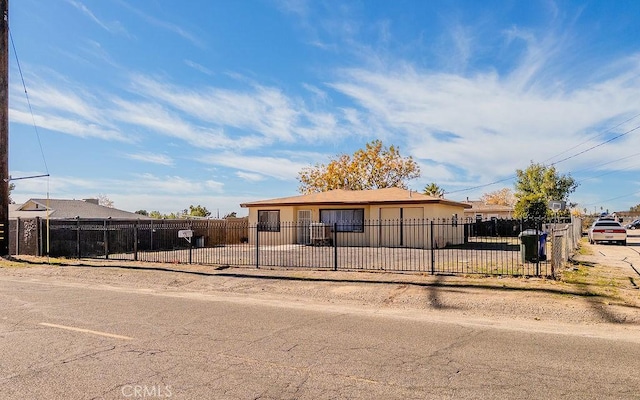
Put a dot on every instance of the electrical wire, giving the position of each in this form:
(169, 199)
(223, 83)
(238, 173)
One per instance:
(559, 161)
(598, 145)
(481, 186)
(593, 137)
(611, 199)
(35, 127)
(605, 173)
(606, 163)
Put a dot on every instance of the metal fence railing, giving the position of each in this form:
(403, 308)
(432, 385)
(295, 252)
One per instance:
(434, 246)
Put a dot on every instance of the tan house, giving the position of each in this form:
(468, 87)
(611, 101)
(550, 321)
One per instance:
(390, 217)
(481, 211)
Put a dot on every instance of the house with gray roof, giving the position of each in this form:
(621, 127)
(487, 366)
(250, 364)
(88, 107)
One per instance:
(66, 209)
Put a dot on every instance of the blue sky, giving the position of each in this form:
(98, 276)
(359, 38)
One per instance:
(159, 104)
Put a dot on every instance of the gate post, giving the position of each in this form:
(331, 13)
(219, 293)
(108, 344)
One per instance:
(135, 240)
(190, 241)
(17, 235)
(105, 236)
(433, 253)
(38, 237)
(258, 245)
(335, 246)
(78, 236)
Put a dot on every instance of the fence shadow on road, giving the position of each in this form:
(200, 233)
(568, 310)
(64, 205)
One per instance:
(439, 282)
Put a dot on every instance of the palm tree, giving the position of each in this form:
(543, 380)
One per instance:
(434, 190)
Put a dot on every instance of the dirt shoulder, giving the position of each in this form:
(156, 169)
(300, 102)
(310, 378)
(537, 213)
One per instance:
(600, 287)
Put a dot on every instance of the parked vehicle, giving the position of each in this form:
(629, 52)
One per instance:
(607, 231)
(634, 225)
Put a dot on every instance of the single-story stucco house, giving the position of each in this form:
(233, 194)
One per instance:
(67, 209)
(482, 211)
(391, 217)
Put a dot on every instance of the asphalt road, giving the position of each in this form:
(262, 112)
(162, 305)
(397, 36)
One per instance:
(70, 340)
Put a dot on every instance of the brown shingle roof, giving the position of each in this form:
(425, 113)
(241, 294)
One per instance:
(341, 196)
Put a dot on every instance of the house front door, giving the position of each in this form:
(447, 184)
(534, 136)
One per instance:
(304, 223)
(413, 227)
(389, 233)
(402, 227)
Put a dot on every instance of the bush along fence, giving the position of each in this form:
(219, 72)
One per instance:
(438, 246)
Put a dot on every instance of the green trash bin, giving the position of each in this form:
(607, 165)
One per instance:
(529, 245)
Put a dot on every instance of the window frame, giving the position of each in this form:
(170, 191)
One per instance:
(354, 225)
(268, 225)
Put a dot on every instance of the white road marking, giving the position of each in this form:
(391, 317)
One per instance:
(71, 328)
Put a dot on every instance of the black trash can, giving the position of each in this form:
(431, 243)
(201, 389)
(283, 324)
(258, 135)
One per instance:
(529, 245)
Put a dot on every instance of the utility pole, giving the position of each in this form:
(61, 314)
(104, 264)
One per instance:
(4, 128)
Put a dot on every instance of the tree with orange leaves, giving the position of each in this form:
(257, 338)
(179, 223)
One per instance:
(374, 167)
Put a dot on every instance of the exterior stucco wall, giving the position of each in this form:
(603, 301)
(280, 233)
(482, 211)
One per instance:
(415, 230)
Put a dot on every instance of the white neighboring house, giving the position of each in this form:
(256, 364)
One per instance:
(66, 209)
(481, 211)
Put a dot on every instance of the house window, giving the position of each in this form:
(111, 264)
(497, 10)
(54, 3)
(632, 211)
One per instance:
(269, 220)
(347, 220)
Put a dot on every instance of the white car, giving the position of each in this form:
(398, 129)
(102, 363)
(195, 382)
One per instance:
(607, 230)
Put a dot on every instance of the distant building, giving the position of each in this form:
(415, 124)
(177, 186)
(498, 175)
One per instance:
(480, 210)
(65, 209)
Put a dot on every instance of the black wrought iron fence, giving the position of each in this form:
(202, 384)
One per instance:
(493, 247)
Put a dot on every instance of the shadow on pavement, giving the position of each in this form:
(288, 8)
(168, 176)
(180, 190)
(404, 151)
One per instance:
(439, 281)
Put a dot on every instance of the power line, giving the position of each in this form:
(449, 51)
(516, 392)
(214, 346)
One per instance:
(26, 94)
(603, 174)
(593, 137)
(596, 146)
(614, 198)
(608, 162)
(559, 161)
(481, 186)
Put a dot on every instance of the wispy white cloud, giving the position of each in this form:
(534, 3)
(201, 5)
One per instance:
(153, 158)
(485, 124)
(95, 51)
(207, 118)
(156, 119)
(168, 26)
(151, 183)
(88, 13)
(279, 168)
(250, 176)
(261, 110)
(67, 101)
(319, 94)
(67, 126)
(199, 67)
(112, 27)
(264, 110)
(71, 111)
